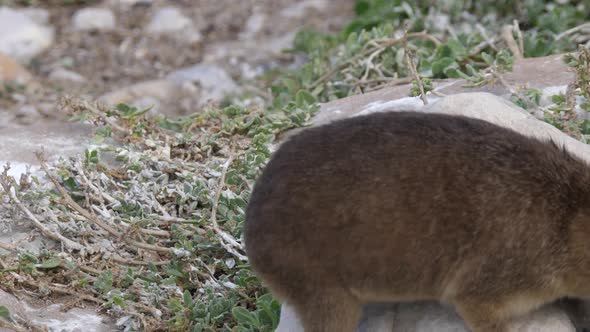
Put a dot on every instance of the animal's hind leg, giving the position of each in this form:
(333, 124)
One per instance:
(328, 311)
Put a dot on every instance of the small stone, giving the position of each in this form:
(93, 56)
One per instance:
(21, 37)
(254, 24)
(171, 21)
(214, 80)
(26, 111)
(98, 19)
(26, 115)
(10, 70)
(65, 75)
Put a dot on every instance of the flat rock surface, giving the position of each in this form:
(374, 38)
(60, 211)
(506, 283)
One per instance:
(19, 145)
(539, 73)
(51, 316)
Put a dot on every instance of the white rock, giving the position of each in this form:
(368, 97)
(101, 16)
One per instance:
(167, 20)
(65, 75)
(39, 15)
(99, 19)
(21, 37)
(214, 80)
(171, 21)
(494, 109)
(253, 25)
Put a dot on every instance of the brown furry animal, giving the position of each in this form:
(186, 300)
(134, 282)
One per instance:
(411, 206)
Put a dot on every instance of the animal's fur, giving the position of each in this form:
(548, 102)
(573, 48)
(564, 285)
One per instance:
(406, 206)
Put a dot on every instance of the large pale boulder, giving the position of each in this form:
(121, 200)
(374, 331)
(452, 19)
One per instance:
(427, 317)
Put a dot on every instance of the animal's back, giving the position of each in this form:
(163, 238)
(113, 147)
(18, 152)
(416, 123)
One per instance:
(406, 206)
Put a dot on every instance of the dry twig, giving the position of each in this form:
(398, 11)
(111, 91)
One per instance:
(510, 42)
(226, 240)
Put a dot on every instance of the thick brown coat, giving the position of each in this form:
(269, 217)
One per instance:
(407, 206)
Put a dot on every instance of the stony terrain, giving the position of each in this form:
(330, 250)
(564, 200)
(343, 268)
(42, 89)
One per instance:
(191, 58)
(173, 56)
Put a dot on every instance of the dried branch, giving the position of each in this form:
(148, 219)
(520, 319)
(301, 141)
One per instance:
(412, 67)
(510, 42)
(224, 237)
(573, 30)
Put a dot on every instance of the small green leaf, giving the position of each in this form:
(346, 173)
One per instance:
(290, 84)
(304, 98)
(489, 60)
(439, 66)
(558, 99)
(5, 313)
(175, 273)
(50, 263)
(188, 300)
(245, 317)
(444, 51)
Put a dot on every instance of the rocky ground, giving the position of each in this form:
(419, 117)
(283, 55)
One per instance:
(173, 56)
(178, 56)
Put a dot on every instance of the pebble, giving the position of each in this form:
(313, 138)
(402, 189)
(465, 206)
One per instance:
(214, 80)
(171, 21)
(97, 19)
(65, 75)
